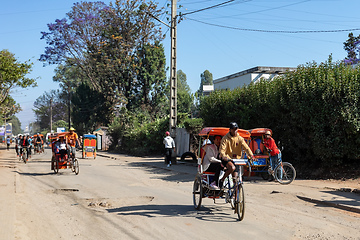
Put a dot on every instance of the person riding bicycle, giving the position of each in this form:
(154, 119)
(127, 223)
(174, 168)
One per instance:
(71, 139)
(272, 149)
(17, 144)
(29, 145)
(211, 162)
(24, 143)
(231, 147)
(38, 142)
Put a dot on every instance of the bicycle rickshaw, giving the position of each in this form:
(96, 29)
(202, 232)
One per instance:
(283, 172)
(232, 192)
(89, 146)
(59, 161)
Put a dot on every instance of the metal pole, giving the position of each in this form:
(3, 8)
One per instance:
(173, 79)
(50, 115)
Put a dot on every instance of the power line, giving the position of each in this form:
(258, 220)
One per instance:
(275, 31)
(207, 8)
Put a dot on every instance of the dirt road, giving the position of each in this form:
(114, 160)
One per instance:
(139, 198)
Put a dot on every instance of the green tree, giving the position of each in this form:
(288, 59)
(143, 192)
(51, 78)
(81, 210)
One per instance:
(90, 109)
(350, 46)
(42, 108)
(206, 78)
(102, 41)
(16, 125)
(12, 74)
(151, 78)
(184, 97)
(59, 124)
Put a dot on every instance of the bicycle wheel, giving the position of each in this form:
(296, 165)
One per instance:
(240, 202)
(23, 157)
(76, 166)
(284, 173)
(197, 192)
(56, 165)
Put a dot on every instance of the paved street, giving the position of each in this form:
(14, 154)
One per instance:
(122, 197)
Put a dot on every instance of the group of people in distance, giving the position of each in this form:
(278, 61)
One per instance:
(65, 144)
(220, 154)
(26, 142)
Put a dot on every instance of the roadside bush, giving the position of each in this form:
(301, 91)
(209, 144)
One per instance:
(313, 112)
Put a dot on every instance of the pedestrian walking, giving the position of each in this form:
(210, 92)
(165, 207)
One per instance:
(169, 148)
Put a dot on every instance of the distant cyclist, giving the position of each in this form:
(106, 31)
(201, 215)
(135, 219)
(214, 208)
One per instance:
(39, 142)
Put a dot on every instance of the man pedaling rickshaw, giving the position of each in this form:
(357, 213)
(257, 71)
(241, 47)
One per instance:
(231, 147)
(71, 139)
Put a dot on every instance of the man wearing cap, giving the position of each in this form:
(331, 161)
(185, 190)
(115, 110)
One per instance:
(271, 147)
(71, 139)
(231, 147)
(169, 148)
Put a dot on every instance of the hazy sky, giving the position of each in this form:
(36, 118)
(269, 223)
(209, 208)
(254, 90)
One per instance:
(224, 40)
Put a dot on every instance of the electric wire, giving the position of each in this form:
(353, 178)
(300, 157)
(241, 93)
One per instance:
(275, 31)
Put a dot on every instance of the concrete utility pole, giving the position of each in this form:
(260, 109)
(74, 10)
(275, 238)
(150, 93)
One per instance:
(173, 79)
(50, 115)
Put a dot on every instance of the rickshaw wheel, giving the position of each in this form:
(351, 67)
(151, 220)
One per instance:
(76, 166)
(56, 165)
(285, 173)
(240, 203)
(265, 175)
(197, 192)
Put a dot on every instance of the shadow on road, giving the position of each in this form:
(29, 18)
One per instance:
(34, 174)
(219, 213)
(176, 173)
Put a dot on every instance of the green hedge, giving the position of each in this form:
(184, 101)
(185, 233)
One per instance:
(138, 134)
(313, 112)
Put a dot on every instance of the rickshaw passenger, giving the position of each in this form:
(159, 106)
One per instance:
(231, 147)
(61, 147)
(211, 162)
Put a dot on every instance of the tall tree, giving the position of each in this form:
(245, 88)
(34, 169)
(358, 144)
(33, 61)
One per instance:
(12, 74)
(90, 109)
(8, 109)
(151, 78)
(16, 125)
(102, 41)
(206, 78)
(184, 96)
(42, 108)
(351, 47)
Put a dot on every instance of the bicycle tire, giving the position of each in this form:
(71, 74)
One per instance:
(76, 166)
(240, 202)
(284, 173)
(23, 157)
(56, 167)
(197, 192)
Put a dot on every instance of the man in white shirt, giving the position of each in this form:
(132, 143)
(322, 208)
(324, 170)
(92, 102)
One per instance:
(169, 148)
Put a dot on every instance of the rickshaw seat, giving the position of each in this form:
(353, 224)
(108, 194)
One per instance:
(209, 173)
(257, 144)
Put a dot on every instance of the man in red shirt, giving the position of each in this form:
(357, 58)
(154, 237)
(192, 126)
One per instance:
(271, 147)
